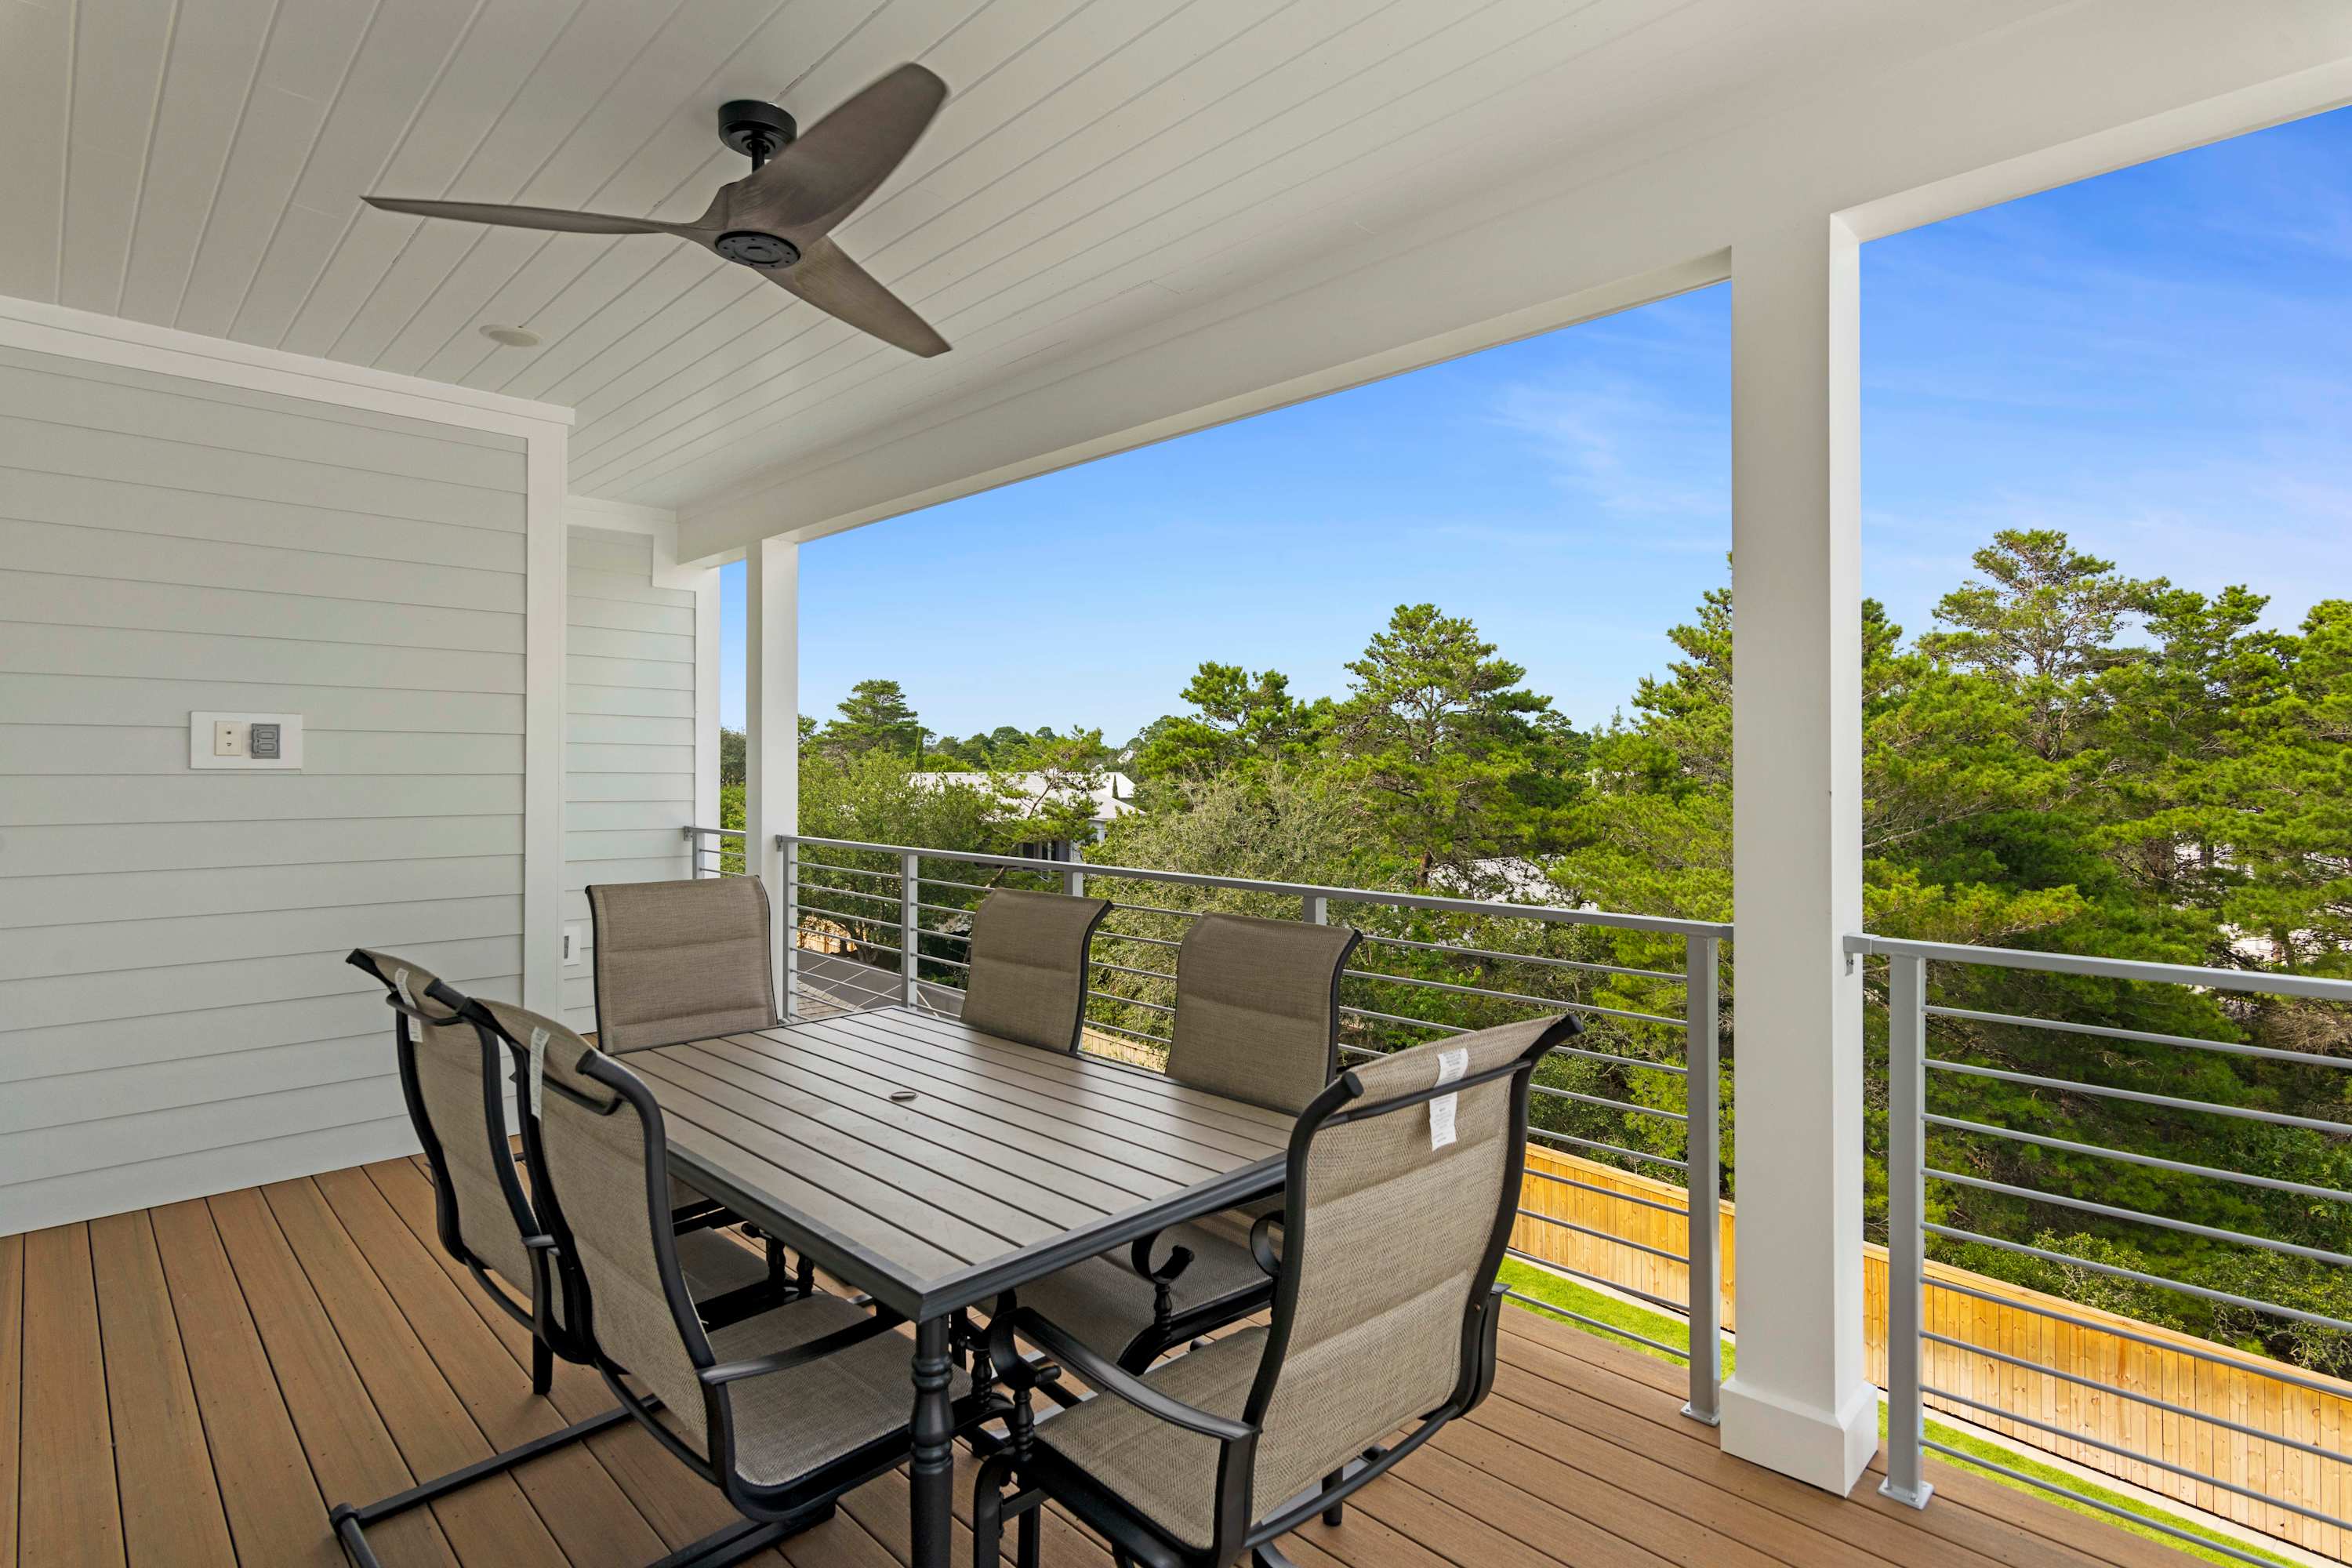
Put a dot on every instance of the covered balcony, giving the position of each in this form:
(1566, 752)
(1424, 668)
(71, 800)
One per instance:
(359, 589)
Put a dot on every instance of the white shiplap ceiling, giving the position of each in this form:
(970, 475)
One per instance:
(1100, 164)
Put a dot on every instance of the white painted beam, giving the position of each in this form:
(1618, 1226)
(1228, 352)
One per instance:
(771, 777)
(1800, 1402)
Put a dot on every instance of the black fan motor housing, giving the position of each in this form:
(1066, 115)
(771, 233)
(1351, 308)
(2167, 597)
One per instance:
(759, 131)
(752, 249)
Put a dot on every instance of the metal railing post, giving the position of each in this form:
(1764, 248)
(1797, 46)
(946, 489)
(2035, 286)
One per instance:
(1703, 1147)
(909, 924)
(1073, 882)
(1315, 909)
(790, 851)
(1906, 1215)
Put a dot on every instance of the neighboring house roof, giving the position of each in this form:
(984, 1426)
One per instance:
(1024, 793)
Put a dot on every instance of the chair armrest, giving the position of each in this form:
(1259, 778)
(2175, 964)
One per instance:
(1262, 1244)
(817, 1349)
(1138, 1258)
(1107, 1378)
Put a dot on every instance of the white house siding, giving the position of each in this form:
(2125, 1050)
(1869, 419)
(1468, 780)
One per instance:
(628, 731)
(175, 1017)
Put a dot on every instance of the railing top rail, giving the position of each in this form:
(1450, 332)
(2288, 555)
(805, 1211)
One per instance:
(725, 832)
(1550, 913)
(1864, 946)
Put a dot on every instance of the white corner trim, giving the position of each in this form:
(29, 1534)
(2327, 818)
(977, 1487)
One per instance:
(706, 696)
(110, 340)
(546, 608)
(659, 524)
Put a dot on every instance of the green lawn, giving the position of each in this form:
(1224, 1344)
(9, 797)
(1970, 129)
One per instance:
(1571, 1297)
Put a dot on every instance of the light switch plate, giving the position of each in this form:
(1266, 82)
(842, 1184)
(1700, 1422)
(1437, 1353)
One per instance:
(224, 740)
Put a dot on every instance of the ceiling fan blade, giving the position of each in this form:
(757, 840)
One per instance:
(827, 278)
(821, 178)
(522, 217)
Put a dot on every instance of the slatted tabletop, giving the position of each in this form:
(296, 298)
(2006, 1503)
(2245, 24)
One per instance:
(933, 1165)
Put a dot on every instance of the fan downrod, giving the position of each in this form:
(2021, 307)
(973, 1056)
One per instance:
(757, 129)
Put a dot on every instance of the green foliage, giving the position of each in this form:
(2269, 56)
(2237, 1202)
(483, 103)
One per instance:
(874, 716)
(2070, 760)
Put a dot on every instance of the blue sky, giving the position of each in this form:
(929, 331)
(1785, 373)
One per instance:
(2159, 362)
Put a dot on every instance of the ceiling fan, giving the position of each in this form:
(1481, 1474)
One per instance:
(776, 218)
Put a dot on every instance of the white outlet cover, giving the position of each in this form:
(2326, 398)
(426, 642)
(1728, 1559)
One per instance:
(575, 943)
(290, 742)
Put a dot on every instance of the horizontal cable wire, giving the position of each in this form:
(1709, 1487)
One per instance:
(2137, 1216)
(2137, 1398)
(2203, 1542)
(2132, 1454)
(1608, 1192)
(839, 936)
(2276, 1118)
(1559, 1312)
(1588, 965)
(846, 870)
(1611, 1104)
(2271, 1371)
(1132, 1034)
(1678, 1308)
(1399, 1018)
(1126, 969)
(1548, 1003)
(1621, 1061)
(1130, 1000)
(2154, 1161)
(2109, 1032)
(1156, 910)
(1146, 941)
(805, 888)
(1608, 1148)
(2201, 1292)
(1603, 1236)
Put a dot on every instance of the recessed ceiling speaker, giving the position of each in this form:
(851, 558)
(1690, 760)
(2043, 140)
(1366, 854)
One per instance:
(511, 337)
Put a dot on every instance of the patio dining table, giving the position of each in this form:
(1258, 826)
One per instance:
(933, 1167)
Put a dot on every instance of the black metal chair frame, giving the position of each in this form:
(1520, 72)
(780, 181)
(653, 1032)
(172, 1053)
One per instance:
(771, 1514)
(1037, 1473)
(550, 1338)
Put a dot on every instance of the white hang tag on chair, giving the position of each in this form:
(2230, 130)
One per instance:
(1451, 1065)
(407, 1020)
(538, 1066)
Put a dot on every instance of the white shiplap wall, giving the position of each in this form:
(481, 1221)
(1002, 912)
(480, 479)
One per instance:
(175, 1017)
(629, 726)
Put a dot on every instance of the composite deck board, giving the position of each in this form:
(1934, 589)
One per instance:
(11, 1385)
(65, 1484)
(170, 1502)
(324, 1348)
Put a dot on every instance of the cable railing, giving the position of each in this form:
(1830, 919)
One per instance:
(2241, 1435)
(715, 851)
(875, 925)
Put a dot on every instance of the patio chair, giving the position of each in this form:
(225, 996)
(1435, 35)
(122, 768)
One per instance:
(783, 1412)
(1257, 1019)
(679, 961)
(452, 1080)
(1403, 1180)
(1029, 967)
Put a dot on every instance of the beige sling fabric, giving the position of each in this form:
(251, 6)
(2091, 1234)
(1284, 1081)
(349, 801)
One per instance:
(1257, 1013)
(680, 960)
(596, 1176)
(1028, 977)
(1105, 1304)
(449, 1064)
(1395, 1237)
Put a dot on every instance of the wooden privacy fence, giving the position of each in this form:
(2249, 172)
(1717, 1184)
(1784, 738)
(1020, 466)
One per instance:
(2246, 1391)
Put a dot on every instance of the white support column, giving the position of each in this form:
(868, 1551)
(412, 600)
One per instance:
(1799, 1402)
(546, 556)
(772, 693)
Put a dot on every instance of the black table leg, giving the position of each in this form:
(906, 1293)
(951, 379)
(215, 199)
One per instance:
(932, 1472)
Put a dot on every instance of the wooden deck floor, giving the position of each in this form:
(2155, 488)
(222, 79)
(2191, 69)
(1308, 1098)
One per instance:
(193, 1384)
